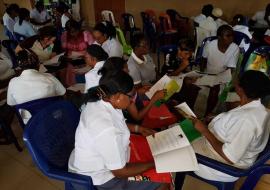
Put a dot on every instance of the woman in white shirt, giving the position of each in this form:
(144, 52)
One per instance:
(102, 138)
(105, 35)
(23, 26)
(238, 136)
(10, 18)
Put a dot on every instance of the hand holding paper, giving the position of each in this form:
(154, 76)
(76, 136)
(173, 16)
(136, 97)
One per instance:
(185, 110)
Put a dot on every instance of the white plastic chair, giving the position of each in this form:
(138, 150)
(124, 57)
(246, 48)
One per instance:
(108, 16)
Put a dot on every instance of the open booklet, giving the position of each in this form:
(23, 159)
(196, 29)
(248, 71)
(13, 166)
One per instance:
(164, 83)
(185, 110)
(172, 151)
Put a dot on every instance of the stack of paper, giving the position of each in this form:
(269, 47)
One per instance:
(172, 151)
(167, 83)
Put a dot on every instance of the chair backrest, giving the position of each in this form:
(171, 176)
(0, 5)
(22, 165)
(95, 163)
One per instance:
(165, 50)
(165, 22)
(34, 107)
(239, 37)
(108, 16)
(199, 51)
(129, 22)
(50, 137)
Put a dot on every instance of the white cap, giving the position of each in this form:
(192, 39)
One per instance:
(217, 12)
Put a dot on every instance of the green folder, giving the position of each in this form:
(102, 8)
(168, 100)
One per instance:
(189, 130)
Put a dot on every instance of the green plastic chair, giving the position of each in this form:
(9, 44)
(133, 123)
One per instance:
(127, 49)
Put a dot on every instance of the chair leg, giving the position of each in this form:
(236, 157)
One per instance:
(10, 137)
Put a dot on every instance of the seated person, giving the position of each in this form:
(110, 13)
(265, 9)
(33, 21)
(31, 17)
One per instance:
(135, 111)
(62, 9)
(217, 12)
(43, 44)
(238, 24)
(102, 138)
(95, 58)
(235, 137)
(105, 35)
(209, 24)
(74, 40)
(23, 26)
(140, 65)
(31, 84)
(206, 12)
(177, 64)
(219, 55)
(6, 74)
(261, 19)
(39, 15)
(9, 19)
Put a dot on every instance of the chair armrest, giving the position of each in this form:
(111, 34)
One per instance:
(225, 168)
(70, 177)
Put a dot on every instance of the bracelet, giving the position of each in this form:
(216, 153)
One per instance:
(136, 128)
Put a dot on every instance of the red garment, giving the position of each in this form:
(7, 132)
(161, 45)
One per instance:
(78, 44)
(140, 152)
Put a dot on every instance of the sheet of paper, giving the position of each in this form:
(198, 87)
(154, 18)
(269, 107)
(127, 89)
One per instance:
(186, 109)
(178, 160)
(158, 86)
(167, 140)
(77, 87)
(54, 61)
(206, 80)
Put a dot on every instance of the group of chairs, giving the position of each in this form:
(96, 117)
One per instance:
(50, 133)
(165, 29)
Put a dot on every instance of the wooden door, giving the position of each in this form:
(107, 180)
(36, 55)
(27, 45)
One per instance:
(116, 6)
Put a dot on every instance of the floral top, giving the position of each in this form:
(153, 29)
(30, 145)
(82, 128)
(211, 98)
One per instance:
(79, 44)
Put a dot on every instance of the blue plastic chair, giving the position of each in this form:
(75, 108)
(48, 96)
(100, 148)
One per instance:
(165, 50)
(199, 53)
(253, 172)
(19, 38)
(239, 36)
(34, 107)
(49, 137)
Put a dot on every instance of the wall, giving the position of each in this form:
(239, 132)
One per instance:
(193, 7)
(87, 12)
(21, 3)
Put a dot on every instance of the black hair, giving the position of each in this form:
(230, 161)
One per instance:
(137, 39)
(186, 44)
(47, 31)
(207, 10)
(255, 84)
(239, 19)
(62, 7)
(106, 28)
(12, 7)
(120, 82)
(111, 66)
(40, 3)
(72, 24)
(98, 52)
(23, 14)
(222, 29)
(27, 59)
